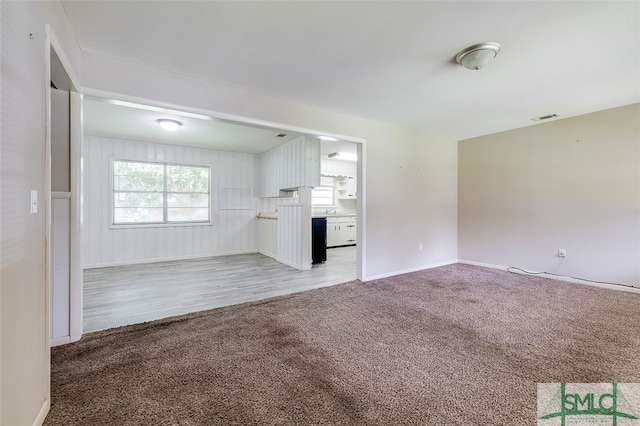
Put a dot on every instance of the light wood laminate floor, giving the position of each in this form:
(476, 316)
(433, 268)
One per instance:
(122, 295)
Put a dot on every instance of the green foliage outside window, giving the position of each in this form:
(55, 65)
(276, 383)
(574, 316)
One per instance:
(146, 192)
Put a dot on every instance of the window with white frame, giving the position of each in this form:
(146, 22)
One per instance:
(160, 193)
(323, 196)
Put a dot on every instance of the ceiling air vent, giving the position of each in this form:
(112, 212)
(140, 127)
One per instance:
(545, 117)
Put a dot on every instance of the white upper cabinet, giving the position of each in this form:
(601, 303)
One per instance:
(346, 187)
(338, 168)
(292, 165)
(344, 175)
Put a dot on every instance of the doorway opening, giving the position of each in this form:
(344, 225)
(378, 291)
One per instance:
(236, 202)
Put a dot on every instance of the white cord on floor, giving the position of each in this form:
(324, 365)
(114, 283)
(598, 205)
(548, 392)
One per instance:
(511, 268)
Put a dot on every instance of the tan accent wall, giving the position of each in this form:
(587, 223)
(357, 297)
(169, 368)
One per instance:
(572, 183)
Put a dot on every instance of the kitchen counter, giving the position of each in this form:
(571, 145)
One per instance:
(272, 216)
(334, 215)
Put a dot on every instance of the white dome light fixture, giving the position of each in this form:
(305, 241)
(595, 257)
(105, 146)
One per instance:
(477, 56)
(168, 124)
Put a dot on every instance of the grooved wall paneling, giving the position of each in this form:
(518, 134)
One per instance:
(289, 237)
(234, 228)
(294, 164)
(268, 237)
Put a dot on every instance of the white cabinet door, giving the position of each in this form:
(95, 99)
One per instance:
(332, 232)
(347, 231)
(341, 231)
(346, 187)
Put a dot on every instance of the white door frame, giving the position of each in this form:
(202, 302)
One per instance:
(75, 156)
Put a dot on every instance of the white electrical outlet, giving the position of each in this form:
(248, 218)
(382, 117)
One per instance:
(562, 252)
(420, 246)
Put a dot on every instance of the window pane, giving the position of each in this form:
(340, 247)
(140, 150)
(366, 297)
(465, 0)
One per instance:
(146, 192)
(131, 176)
(137, 199)
(188, 214)
(137, 215)
(187, 179)
(187, 200)
(322, 196)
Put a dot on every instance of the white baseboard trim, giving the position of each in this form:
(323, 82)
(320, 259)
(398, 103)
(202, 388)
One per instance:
(553, 277)
(165, 259)
(60, 341)
(407, 271)
(42, 414)
(484, 265)
(298, 267)
(268, 254)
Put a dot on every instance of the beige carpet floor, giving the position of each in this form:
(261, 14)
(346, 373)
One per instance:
(455, 345)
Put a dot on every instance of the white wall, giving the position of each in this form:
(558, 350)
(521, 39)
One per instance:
(411, 177)
(234, 229)
(572, 183)
(24, 351)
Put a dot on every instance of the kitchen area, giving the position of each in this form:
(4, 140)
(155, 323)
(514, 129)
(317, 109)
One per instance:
(334, 219)
(304, 223)
(266, 188)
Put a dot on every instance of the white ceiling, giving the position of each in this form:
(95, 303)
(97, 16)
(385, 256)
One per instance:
(131, 121)
(103, 118)
(388, 61)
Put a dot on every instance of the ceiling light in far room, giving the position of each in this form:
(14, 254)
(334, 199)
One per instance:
(477, 56)
(348, 156)
(168, 124)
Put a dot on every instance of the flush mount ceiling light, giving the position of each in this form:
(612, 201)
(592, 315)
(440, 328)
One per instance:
(477, 56)
(169, 125)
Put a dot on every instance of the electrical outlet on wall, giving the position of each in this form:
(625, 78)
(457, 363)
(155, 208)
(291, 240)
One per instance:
(420, 246)
(562, 252)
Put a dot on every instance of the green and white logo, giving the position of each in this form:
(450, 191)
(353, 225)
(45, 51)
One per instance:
(615, 404)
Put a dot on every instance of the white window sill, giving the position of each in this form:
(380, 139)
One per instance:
(158, 225)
